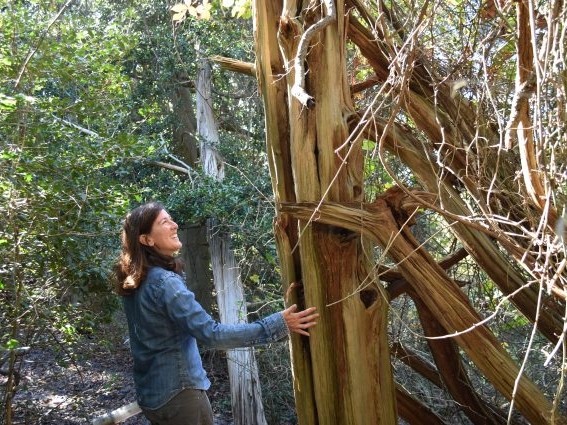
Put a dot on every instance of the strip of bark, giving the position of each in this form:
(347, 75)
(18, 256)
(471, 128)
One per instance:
(441, 295)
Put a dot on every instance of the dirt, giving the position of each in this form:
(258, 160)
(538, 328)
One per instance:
(65, 388)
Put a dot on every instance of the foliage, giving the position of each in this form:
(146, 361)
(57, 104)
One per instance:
(66, 134)
(201, 9)
(85, 113)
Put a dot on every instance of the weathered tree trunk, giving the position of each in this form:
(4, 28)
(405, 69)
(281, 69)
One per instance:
(197, 260)
(184, 141)
(246, 394)
(440, 294)
(342, 372)
(185, 147)
(245, 389)
(452, 147)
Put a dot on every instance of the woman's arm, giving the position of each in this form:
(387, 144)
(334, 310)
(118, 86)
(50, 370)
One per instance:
(188, 315)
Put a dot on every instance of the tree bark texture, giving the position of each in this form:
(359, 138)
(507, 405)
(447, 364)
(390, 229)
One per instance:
(184, 141)
(197, 259)
(453, 149)
(323, 265)
(439, 293)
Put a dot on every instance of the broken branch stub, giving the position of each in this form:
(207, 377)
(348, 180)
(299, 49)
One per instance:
(298, 89)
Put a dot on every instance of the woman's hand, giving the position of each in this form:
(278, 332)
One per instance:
(300, 321)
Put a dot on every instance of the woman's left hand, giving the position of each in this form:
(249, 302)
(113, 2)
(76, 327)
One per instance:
(300, 321)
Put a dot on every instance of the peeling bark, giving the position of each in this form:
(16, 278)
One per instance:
(327, 263)
(440, 294)
(454, 151)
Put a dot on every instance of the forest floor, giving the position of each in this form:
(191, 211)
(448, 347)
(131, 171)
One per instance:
(64, 389)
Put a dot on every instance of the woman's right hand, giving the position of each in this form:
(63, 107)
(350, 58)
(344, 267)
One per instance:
(300, 321)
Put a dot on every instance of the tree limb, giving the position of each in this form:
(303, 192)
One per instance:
(418, 364)
(413, 410)
(230, 64)
(118, 415)
(171, 167)
(77, 127)
(298, 89)
(520, 117)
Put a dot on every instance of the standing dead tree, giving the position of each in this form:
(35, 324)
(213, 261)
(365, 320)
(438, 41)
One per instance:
(459, 139)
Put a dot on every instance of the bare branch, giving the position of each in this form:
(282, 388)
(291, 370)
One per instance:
(171, 167)
(77, 127)
(246, 68)
(298, 89)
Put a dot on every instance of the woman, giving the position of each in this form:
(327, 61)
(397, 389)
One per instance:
(165, 322)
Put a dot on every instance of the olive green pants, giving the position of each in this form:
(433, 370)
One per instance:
(189, 407)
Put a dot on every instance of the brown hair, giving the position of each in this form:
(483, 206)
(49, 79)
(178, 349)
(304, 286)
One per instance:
(135, 258)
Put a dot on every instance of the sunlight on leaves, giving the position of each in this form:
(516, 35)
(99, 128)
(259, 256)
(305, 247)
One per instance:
(12, 343)
(7, 102)
(239, 8)
(198, 10)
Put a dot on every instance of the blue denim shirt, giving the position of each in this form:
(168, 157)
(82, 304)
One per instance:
(165, 322)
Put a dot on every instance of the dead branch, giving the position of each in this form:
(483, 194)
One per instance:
(421, 366)
(298, 89)
(118, 415)
(363, 85)
(235, 65)
(413, 410)
(171, 167)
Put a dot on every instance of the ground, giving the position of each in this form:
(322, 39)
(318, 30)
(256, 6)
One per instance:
(63, 388)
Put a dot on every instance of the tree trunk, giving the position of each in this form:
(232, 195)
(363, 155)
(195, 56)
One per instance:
(185, 147)
(246, 394)
(245, 389)
(197, 259)
(328, 266)
(184, 141)
(440, 294)
(449, 145)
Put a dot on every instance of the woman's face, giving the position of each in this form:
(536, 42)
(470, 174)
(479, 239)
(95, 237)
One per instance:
(163, 236)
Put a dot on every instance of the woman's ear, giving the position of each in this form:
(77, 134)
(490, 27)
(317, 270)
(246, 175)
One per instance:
(146, 240)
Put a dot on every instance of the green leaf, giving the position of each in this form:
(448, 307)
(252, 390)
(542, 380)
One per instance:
(7, 102)
(12, 343)
(368, 145)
